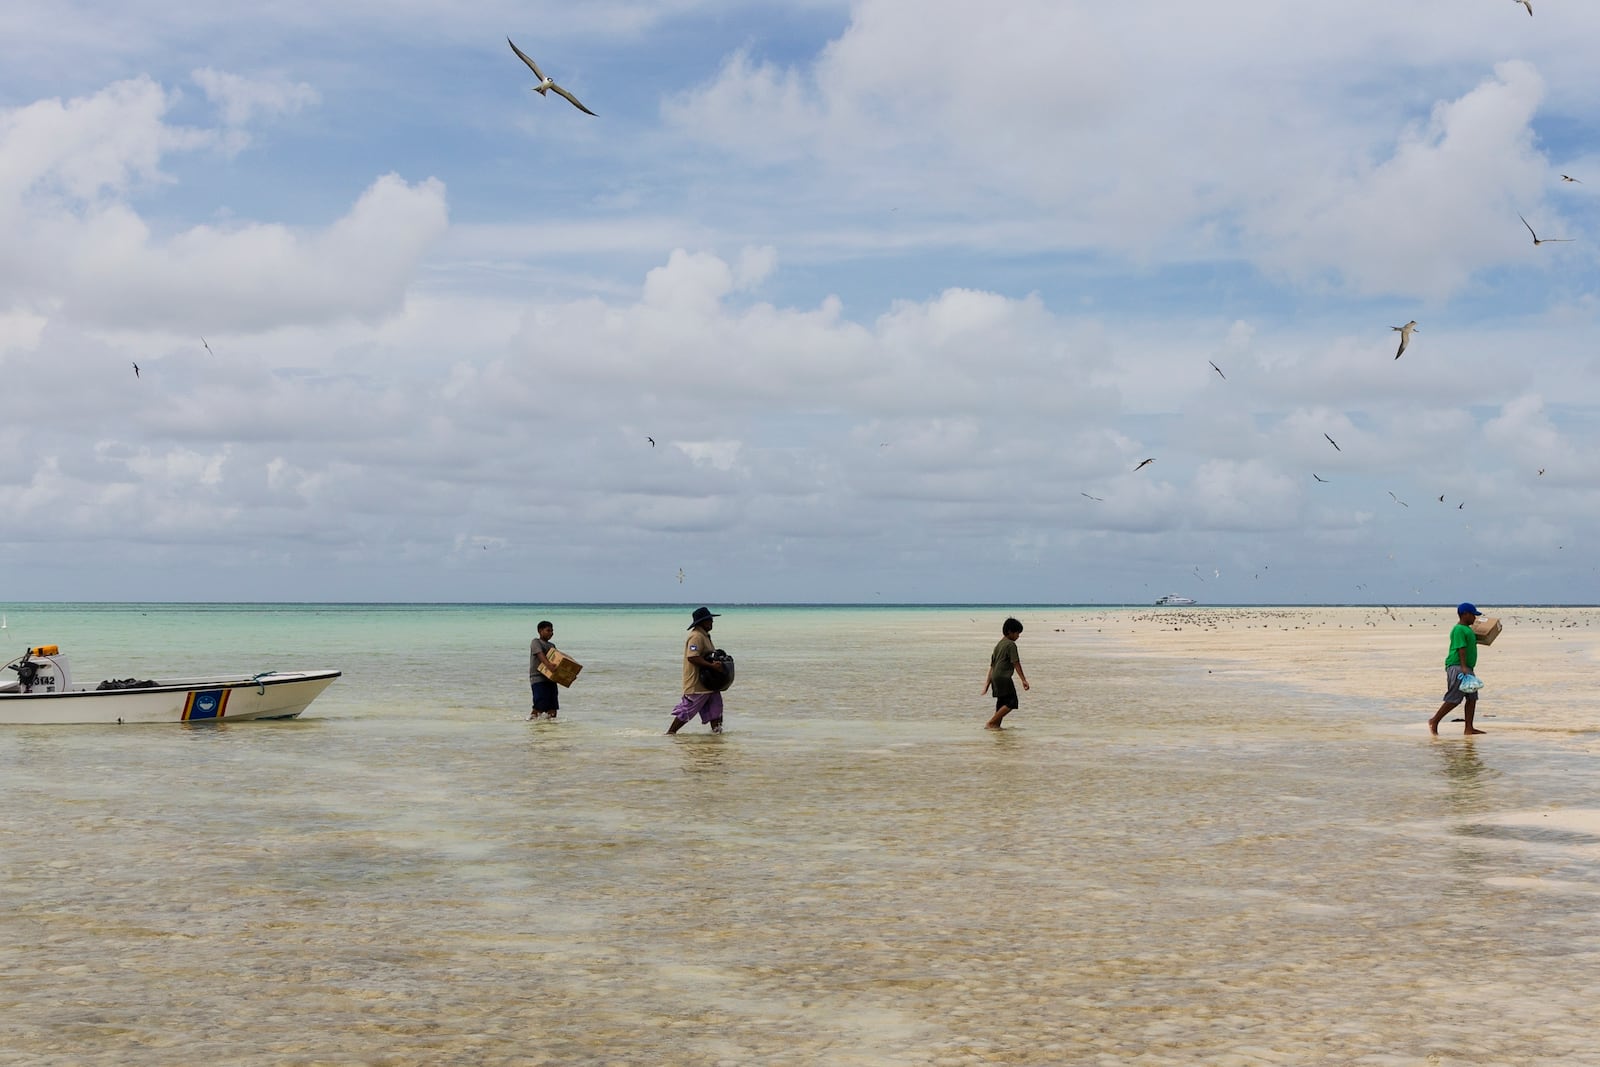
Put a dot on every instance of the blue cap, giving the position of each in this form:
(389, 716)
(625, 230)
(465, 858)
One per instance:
(1465, 608)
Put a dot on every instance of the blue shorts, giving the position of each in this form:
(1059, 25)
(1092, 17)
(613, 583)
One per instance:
(707, 705)
(546, 695)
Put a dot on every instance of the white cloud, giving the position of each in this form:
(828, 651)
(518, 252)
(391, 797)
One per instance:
(1151, 133)
(181, 467)
(82, 149)
(254, 275)
(784, 434)
(77, 241)
(1413, 222)
(1523, 432)
(888, 314)
(719, 455)
(241, 99)
(20, 332)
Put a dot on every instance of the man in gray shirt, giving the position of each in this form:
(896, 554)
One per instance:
(546, 694)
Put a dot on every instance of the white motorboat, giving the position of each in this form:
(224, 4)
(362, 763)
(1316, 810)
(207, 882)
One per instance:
(1173, 600)
(42, 692)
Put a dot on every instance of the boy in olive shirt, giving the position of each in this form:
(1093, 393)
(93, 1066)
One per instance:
(1462, 659)
(1002, 662)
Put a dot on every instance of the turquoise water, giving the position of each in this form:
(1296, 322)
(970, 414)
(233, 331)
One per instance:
(471, 660)
(1142, 871)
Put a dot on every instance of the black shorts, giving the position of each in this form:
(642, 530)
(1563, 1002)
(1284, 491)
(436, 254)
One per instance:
(546, 695)
(1005, 693)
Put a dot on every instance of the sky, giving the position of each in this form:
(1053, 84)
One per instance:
(868, 301)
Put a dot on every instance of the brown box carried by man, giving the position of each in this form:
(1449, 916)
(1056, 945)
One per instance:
(563, 669)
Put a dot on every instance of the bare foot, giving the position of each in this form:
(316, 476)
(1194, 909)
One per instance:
(1433, 728)
(1469, 730)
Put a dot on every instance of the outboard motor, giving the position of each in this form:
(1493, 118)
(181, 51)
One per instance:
(41, 670)
(27, 671)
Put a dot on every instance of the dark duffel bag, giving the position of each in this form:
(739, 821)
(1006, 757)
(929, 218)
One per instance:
(713, 679)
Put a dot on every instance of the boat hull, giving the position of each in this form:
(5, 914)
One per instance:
(277, 695)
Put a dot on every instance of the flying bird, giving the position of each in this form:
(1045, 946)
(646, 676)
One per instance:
(1405, 335)
(1569, 178)
(1541, 469)
(1397, 500)
(136, 374)
(1318, 477)
(1334, 443)
(652, 440)
(680, 575)
(1218, 369)
(208, 347)
(1144, 463)
(1099, 498)
(1537, 240)
(1441, 498)
(545, 84)
(1527, 4)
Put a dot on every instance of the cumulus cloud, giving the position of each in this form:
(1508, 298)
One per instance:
(77, 240)
(1414, 221)
(1136, 134)
(889, 316)
(254, 276)
(787, 438)
(82, 149)
(240, 99)
(20, 331)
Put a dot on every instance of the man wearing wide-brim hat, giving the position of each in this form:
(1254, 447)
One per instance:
(1459, 663)
(698, 699)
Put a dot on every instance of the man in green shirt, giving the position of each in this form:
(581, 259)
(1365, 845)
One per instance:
(1462, 659)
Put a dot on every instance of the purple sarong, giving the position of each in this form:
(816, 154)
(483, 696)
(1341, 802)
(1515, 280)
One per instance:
(707, 705)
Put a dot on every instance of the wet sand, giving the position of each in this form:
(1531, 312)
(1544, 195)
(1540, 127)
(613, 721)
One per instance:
(1540, 673)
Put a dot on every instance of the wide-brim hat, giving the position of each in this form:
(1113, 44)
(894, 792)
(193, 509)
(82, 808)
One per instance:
(701, 615)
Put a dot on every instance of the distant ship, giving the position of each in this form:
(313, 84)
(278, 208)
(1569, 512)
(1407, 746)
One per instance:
(1173, 600)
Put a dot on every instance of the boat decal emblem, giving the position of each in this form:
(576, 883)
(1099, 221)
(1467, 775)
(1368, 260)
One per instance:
(206, 704)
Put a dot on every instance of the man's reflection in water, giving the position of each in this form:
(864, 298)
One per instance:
(705, 757)
(1465, 774)
(1467, 783)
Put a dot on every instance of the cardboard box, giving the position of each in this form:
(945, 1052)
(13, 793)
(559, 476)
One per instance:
(1486, 628)
(563, 669)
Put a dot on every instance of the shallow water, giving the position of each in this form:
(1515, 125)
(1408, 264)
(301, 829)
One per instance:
(1142, 871)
